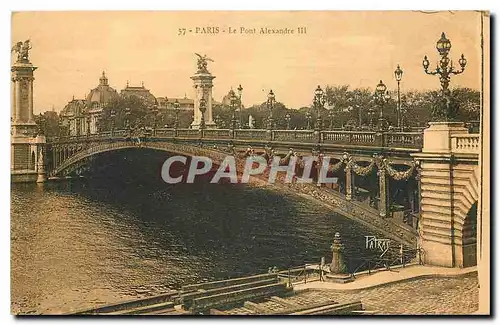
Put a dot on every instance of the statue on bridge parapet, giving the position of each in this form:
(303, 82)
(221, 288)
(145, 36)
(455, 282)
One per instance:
(22, 49)
(203, 63)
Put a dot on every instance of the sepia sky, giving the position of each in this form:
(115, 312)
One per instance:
(71, 49)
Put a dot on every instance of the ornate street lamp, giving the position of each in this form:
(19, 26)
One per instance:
(176, 110)
(203, 109)
(447, 109)
(271, 99)
(240, 92)
(398, 74)
(308, 119)
(127, 118)
(331, 115)
(381, 97)
(154, 110)
(112, 114)
(371, 114)
(87, 119)
(319, 103)
(354, 101)
(233, 103)
(287, 119)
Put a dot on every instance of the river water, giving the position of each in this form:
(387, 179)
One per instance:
(77, 244)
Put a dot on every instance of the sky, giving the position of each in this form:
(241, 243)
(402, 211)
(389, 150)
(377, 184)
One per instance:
(71, 49)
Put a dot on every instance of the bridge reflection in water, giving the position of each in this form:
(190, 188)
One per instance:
(125, 233)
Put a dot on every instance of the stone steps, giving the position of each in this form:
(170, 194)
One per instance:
(186, 299)
(238, 297)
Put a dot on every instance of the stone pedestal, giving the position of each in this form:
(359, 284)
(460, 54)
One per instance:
(437, 137)
(338, 269)
(445, 196)
(203, 89)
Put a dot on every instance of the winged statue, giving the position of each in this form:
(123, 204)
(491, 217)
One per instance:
(22, 50)
(203, 62)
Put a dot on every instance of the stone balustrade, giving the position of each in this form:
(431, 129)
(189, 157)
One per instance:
(465, 143)
(408, 140)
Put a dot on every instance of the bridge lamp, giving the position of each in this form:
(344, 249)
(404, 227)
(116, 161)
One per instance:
(127, 117)
(447, 110)
(319, 103)
(233, 103)
(398, 75)
(203, 108)
(381, 97)
(155, 115)
(112, 114)
(176, 109)
(240, 92)
(331, 115)
(287, 119)
(308, 119)
(271, 99)
(87, 119)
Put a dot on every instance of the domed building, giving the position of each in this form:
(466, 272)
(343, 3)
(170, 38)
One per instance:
(97, 99)
(101, 95)
(80, 116)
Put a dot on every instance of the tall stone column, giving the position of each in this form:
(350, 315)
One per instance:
(22, 78)
(19, 104)
(23, 126)
(203, 89)
(30, 101)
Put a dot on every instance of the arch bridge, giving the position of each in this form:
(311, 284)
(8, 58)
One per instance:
(389, 181)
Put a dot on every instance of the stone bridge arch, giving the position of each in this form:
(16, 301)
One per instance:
(72, 156)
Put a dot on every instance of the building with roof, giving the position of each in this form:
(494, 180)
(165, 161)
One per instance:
(139, 91)
(168, 103)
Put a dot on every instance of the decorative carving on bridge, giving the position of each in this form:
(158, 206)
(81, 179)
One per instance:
(285, 160)
(400, 175)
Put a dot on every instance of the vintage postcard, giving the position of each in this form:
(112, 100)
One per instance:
(250, 163)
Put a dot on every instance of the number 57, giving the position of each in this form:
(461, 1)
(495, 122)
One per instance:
(182, 31)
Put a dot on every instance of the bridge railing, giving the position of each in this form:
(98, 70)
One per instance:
(404, 139)
(217, 133)
(412, 140)
(295, 135)
(465, 143)
(251, 134)
(349, 137)
(188, 133)
(168, 133)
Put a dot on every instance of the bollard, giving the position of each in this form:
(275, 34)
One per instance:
(337, 266)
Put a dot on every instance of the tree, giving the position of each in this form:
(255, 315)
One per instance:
(48, 123)
(139, 110)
